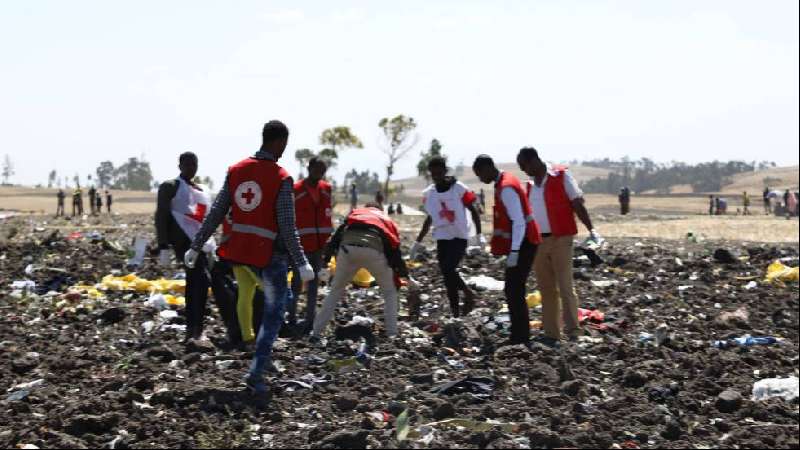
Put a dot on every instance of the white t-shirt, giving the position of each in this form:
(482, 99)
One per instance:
(537, 197)
(448, 211)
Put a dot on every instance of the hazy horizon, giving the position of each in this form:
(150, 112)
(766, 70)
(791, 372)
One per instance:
(87, 81)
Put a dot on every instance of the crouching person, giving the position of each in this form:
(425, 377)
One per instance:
(368, 239)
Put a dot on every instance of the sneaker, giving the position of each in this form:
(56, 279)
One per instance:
(256, 386)
(547, 342)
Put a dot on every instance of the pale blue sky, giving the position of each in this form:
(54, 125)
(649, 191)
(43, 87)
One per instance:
(85, 81)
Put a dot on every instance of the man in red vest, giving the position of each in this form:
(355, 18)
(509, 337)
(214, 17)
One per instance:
(313, 207)
(368, 239)
(259, 196)
(516, 236)
(555, 199)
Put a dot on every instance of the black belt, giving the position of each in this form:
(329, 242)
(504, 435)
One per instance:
(547, 235)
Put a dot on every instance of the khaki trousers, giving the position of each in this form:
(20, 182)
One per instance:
(349, 260)
(553, 268)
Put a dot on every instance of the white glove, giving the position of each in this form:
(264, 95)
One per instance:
(164, 258)
(415, 249)
(595, 236)
(190, 258)
(513, 259)
(482, 241)
(413, 284)
(307, 273)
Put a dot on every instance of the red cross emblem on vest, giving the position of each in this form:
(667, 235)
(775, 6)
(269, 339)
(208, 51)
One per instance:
(248, 196)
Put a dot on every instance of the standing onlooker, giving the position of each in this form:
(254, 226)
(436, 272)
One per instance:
(379, 199)
(712, 203)
(767, 202)
(77, 202)
(746, 203)
(109, 199)
(353, 197)
(625, 200)
(99, 203)
(60, 209)
(92, 194)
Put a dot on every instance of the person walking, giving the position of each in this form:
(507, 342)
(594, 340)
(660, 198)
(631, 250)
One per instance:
(447, 202)
(368, 239)
(555, 200)
(182, 207)
(60, 208)
(516, 235)
(258, 194)
(314, 216)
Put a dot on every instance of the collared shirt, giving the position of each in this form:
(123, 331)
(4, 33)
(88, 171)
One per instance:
(515, 212)
(537, 197)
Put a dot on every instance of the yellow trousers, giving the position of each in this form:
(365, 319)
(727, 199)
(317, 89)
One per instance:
(248, 283)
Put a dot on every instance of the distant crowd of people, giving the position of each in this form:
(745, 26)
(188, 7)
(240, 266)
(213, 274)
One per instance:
(774, 203)
(95, 202)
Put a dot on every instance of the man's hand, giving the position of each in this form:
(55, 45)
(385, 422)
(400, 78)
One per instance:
(415, 249)
(307, 273)
(164, 258)
(413, 284)
(190, 258)
(595, 236)
(513, 259)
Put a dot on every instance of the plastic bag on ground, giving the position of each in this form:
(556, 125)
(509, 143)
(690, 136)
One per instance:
(485, 282)
(139, 249)
(787, 388)
(778, 273)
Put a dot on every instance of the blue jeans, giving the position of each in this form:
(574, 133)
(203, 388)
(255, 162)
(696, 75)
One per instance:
(276, 296)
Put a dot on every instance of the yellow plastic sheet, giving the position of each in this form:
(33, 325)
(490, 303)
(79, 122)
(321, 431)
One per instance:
(779, 273)
(132, 282)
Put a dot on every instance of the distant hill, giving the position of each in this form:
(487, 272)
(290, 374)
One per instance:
(778, 178)
(415, 185)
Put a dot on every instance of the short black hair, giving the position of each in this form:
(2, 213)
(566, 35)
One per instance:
(483, 161)
(274, 130)
(437, 161)
(528, 153)
(317, 160)
(186, 156)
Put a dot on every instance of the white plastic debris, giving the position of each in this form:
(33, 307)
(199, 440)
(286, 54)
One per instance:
(139, 248)
(156, 301)
(168, 314)
(488, 283)
(787, 388)
(24, 284)
(27, 386)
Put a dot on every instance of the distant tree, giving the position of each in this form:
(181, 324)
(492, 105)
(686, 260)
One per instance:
(51, 179)
(366, 181)
(133, 175)
(330, 156)
(435, 150)
(400, 139)
(302, 156)
(105, 174)
(339, 138)
(8, 169)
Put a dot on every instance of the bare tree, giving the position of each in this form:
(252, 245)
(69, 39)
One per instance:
(400, 138)
(8, 169)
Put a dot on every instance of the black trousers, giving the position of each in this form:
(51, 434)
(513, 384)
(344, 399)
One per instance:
(450, 254)
(198, 280)
(516, 278)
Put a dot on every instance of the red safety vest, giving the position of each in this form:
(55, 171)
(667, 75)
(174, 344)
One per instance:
(314, 220)
(253, 185)
(377, 219)
(501, 238)
(559, 207)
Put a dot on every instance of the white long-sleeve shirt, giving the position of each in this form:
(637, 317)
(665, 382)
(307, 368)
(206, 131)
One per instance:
(514, 208)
